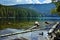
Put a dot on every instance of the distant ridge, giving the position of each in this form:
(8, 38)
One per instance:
(45, 9)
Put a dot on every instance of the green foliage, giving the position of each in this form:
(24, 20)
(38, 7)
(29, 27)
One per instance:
(13, 17)
(57, 3)
(57, 9)
(53, 11)
(17, 25)
(10, 11)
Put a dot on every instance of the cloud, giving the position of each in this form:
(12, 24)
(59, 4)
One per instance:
(33, 1)
(36, 2)
(18, 0)
(29, 1)
(47, 1)
(10, 2)
(7, 2)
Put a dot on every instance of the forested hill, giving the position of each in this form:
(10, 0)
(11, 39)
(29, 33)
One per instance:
(9, 11)
(44, 9)
(12, 17)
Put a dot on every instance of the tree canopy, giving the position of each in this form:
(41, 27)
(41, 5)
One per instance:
(57, 9)
(18, 13)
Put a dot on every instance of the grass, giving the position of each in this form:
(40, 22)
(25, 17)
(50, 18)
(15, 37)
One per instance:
(16, 25)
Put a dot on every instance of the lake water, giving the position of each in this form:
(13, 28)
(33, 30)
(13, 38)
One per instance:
(30, 35)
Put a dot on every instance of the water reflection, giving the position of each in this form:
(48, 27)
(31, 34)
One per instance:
(27, 36)
(30, 35)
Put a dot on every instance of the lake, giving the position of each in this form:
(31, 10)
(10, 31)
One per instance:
(35, 35)
(30, 35)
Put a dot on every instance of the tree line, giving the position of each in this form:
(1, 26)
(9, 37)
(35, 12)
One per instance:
(16, 13)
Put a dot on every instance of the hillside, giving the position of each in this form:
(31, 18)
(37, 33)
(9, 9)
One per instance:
(17, 13)
(44, 9)
(19, 18)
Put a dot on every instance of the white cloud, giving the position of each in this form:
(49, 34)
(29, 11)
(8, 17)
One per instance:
(18, 0)
(32, 1)
(29, 1)
(36, 2)
(47, 1)
(12, 2)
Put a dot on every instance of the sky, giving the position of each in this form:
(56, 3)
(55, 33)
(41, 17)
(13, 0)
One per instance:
(13, 2)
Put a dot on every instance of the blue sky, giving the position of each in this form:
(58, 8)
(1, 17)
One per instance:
(13, 2)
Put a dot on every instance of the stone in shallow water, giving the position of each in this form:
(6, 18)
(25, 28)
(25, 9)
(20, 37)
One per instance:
(21, 38)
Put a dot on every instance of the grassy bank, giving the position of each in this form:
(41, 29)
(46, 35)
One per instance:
(17, 25)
